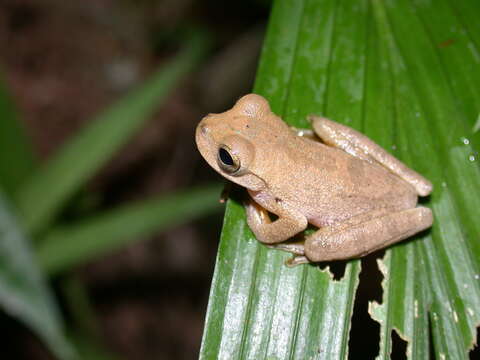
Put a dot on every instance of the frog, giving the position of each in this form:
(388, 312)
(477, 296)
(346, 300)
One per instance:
(357, 196)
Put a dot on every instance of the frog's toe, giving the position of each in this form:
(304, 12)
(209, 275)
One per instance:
(297, 260)
(294, 248)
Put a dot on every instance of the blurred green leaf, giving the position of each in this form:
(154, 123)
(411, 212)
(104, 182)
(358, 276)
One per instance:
(397, 72)
(24, 294)
(90, 350)
(16, 157)
(43, 195)
(66, 246)
(86, 333)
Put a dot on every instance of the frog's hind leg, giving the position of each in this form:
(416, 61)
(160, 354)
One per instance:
(360, 236)
(358, 145)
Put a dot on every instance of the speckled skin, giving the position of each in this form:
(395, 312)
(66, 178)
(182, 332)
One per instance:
(359, 196)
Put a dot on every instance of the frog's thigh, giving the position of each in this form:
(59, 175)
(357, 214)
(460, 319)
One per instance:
(359, 145)
(357, 239)
(271, 232)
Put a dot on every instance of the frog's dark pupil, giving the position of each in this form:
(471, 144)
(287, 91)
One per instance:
(225, 157)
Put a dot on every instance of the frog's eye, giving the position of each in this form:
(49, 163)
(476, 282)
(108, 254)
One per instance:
(227, 161)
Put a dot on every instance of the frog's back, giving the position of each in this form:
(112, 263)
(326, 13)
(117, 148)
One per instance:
(329, 185)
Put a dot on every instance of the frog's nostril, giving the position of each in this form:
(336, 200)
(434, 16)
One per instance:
(204, 129)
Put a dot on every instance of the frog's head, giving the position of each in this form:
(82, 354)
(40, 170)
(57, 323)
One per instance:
(238, 142)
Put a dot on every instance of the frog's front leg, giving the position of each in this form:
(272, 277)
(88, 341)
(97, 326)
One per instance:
(362, 235)
(359, 145)
(288, 224)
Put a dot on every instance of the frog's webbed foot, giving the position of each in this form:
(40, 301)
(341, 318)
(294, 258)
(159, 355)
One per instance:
(360, 146)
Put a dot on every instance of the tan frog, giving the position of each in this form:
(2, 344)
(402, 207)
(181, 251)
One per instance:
(360, 197)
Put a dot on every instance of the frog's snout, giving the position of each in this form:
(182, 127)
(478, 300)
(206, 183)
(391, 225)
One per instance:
(205, 125)
(203, 137)
(201, 134)
(203, 129)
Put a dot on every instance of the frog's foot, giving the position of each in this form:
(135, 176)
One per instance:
(227, 189)
(296, 248)
(297, 260)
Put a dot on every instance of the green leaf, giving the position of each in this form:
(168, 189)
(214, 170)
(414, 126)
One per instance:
(16, 157)
(405, 73)
(70, 245)
(258, 307)
(23, 291)
(435, 279)
(43, 195)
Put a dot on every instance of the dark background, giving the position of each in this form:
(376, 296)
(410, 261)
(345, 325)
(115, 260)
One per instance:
(64, 61)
